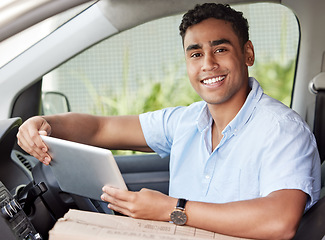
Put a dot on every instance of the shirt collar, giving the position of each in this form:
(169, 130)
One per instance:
(204, 119)
(247, 109)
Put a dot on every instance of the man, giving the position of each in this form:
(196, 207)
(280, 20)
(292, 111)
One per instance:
(247, 164)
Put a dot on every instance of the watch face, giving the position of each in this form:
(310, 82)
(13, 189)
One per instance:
(178, 217)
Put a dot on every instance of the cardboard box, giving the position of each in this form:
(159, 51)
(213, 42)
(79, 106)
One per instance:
(79, 225)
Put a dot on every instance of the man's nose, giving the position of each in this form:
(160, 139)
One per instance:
(209, 63)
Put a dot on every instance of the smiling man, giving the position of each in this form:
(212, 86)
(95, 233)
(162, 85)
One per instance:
(217, 67)
(241, 163)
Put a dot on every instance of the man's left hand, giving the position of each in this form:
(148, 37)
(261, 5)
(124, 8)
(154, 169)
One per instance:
(145, 204)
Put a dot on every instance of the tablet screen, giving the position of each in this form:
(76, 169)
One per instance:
(83, 169)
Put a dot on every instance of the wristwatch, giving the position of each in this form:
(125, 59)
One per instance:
(178, 216)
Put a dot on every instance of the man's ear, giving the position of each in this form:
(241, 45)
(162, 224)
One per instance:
(249, 53)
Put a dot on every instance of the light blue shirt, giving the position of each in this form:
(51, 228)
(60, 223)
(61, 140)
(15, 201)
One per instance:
(266, 147)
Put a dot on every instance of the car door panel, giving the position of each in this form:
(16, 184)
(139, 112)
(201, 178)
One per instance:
(145, 171)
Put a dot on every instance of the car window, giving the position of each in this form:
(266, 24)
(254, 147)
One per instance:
(143, 69)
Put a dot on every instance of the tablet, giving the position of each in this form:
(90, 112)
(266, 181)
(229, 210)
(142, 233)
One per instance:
(82, 169)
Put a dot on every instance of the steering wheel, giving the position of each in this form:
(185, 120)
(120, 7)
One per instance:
(37, 190)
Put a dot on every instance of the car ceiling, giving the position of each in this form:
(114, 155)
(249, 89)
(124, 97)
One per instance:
(17, 15)
(117, 10)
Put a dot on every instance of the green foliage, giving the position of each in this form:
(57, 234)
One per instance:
(148, 95)
(276, 79)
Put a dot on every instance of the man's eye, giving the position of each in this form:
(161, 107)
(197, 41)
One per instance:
(220, 50)
(195, 55)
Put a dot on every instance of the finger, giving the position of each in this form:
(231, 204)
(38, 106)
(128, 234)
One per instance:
(41, 143)
(42, 132)
(116, 208)
(35, 139)
(29, 147)
(115, 204)
(117, 193)
(117, 197)
(46, 160)
(115, 201)
(32, 149)
(37, 143)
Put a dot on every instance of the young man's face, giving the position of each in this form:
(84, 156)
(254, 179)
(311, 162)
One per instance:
(216, 62)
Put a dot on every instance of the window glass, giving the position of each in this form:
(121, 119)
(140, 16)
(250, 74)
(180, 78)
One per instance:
(13, 46)
(143, 69)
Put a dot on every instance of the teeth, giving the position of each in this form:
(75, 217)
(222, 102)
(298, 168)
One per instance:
(213, 80)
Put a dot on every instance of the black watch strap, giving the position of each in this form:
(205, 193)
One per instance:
(181, 203)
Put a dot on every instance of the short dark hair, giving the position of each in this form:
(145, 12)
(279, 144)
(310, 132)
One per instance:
(217, 11)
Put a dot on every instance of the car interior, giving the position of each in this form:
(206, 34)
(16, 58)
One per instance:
(89, 24)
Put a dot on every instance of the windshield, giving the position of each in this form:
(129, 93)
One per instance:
(13, 46)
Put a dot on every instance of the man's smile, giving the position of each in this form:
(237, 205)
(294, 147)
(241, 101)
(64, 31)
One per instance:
(213, 80)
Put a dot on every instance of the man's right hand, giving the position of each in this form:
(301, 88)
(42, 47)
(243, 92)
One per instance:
(29, 139)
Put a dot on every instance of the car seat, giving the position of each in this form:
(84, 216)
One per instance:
(312, 225)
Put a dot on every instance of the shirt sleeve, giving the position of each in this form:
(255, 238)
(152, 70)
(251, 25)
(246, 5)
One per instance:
(292, 154)
(159, 127)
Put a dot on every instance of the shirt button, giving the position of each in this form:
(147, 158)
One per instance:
(207, 177)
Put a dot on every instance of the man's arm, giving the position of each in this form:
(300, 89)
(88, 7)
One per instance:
(122, 132)
(275, 216)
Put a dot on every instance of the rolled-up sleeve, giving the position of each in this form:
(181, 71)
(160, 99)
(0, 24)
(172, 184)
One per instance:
(292, 155)
(158, 128)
